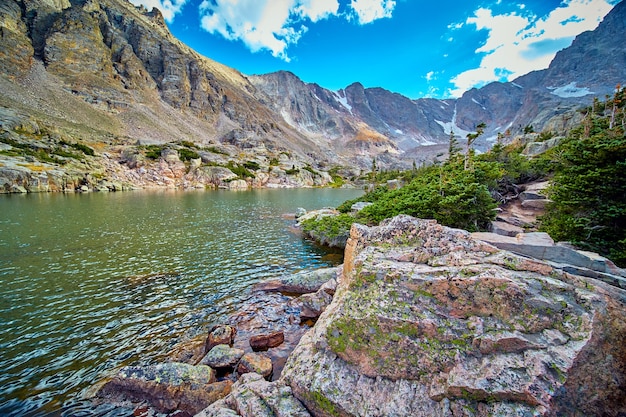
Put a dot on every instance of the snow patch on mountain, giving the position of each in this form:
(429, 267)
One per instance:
(343, 100)
(570, 90)
(451, 126)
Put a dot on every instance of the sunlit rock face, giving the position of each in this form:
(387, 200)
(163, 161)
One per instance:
(428, 321)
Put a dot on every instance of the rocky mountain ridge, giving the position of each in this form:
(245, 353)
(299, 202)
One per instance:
(110, 75)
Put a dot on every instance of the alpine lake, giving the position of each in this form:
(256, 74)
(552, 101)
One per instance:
(90, 282)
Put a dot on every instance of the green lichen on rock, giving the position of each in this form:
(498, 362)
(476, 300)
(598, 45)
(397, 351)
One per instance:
(458, 328)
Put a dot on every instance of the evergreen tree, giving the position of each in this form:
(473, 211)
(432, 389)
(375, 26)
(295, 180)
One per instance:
(471, 138)
(589, 187)
(453, 146)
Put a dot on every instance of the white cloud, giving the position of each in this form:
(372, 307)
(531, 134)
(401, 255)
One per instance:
(429, 75)
(169, 8)
(317, 9)
(260, 24)
(518, 43)
(369, 10)
(274, 25)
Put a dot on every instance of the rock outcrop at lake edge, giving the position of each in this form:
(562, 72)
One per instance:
(421, 320)
(427, 321)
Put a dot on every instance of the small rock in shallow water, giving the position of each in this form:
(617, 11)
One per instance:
(220, 335)
(255, 362)
(222, 356)
(266, 341)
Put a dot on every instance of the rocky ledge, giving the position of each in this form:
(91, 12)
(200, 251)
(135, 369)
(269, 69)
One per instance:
(428, 321)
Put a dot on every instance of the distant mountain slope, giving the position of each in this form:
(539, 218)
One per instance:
(111, 74)
(591, 67)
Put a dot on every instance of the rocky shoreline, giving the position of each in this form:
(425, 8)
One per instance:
(420, 320)
(257, 339)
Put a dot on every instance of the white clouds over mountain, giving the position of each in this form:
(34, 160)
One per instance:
(169, 8)
(519, 42)
(274, 25)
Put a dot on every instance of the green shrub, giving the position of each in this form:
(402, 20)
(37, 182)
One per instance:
(188, 144)
(79, 147)
(330, 227)
(589, 187)
(153, 151)
(448, 193)
(214, 149)
(292, 171)
(252, 165)
(239, 170)
(187, 154)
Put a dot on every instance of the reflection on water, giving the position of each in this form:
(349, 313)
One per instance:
(90, 282)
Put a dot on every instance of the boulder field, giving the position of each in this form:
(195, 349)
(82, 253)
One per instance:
(429, 321)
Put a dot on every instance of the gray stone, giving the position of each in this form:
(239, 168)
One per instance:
(540, 246)
(358, 206)
(253, 396)
(505, 229)
(536, 148)
(531, 195)
(222, 356)
(311, 306)
(238, 185)
(535, 204)
(300, 212)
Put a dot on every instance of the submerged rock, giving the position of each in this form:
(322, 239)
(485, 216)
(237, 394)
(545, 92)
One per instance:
(428, 321)
(267, 341)
(302, 282)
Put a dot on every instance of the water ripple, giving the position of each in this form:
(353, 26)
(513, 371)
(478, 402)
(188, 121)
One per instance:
(92, 282)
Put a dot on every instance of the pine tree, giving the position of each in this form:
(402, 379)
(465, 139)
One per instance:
(471, 138)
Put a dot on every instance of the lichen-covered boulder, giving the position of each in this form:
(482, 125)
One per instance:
(222, 356)
(252, 396)
(428, 321)
(256, 363)
(167, 387)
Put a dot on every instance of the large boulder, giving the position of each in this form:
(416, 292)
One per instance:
(222, 356)
(301, 282)
(167, 387)
(252, 396)
(429, 321)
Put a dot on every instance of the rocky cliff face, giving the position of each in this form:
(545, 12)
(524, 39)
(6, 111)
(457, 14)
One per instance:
(109, 75)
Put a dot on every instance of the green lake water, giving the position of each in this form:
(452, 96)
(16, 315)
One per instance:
(89, 282)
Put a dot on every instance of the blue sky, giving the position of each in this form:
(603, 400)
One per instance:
(416, 48)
